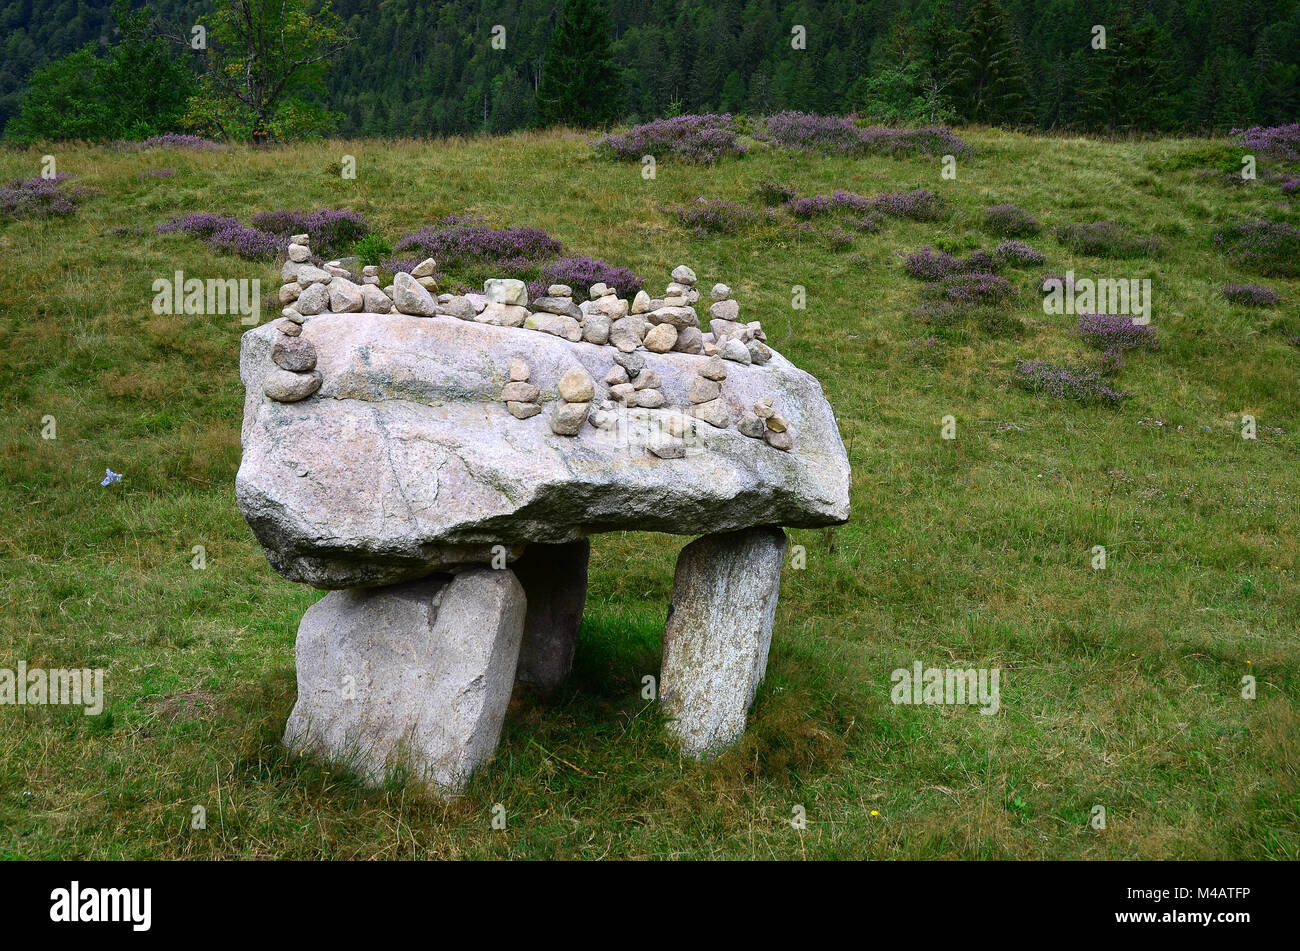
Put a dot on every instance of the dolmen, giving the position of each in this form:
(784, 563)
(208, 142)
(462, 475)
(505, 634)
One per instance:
(438, 463)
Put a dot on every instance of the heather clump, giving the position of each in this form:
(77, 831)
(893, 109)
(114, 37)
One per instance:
(172, 140)
(1018, 254)
(1083, 384)
(580, 273)
(1270, 247)
(818, 205)
(471, 246)
(332, 232)
(270, 231)
(705, 216)
(1010, 221)
(841, 135)
(1115, 333)
(927, 264)
(970, 289)
(696, 139)
(1251, 295)
(917, 205)
(1277, 141)
(39, 197)
(1106, 239)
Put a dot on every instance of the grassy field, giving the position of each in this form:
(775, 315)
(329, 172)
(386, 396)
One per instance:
(1120, 687)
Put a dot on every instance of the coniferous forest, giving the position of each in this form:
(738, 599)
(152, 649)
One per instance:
(457, 67)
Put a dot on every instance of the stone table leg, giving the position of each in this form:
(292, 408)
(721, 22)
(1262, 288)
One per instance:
(555, 579)
(415, 675)
(718, 633)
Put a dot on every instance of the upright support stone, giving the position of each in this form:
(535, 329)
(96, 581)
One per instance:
(555, 579)
(718, 633)
(416, 675)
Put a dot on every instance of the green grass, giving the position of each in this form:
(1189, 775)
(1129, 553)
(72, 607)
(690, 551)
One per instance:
(1119, 687)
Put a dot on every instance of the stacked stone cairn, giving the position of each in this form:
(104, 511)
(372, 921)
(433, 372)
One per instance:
(519, 395)
(767, 424)
(660, 325)
(576, 393)
(705, 394)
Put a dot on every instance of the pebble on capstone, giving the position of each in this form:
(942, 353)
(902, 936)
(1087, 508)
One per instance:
(633, 363)
(576, 386)
(309, 274)
(661, 339)
(689, 340)
(522, 410)
(751, 426)
(458, 307)
(779, 440)
(640, 303)
(720, 292)
(425, 268)
(649, 399)
(714, 369)
(296, 354)
(777, 423)
(518, 371)
(684, 275)
(288, 327)
(567, 418)
(345, 297)
(314, 300)
(714, 412)
(702, 389)
(375, 301)
(759, 354)
(736, 351)
(557, 325)
(559, 290)
(520, 392)
(285, 386)
(763, 408)
(506, 290)
(595, 329)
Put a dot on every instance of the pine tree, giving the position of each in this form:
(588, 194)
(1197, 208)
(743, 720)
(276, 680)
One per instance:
(580, 82)
(991, 78)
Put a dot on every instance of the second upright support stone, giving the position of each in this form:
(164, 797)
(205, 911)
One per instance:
(718, 633)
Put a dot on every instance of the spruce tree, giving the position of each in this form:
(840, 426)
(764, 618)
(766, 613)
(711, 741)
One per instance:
(580, 83)
(991, 78)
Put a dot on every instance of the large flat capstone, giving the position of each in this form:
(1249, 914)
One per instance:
(407, 459)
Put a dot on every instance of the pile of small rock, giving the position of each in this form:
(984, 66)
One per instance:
(660, 325)
(741, 343)
(631, 384)
(295, 376)
(705, 394)
(520, 396)
(766, 424)
(576, 393)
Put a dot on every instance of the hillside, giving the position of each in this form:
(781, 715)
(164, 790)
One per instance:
(1121, 686)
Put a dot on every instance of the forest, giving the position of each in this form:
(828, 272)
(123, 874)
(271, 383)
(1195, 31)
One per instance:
(461, 66)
